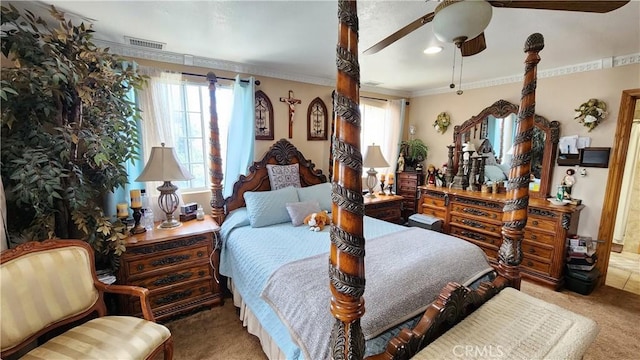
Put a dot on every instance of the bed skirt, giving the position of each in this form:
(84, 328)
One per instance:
(254, 327)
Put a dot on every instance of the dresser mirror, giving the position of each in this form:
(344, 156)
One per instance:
(492, 132)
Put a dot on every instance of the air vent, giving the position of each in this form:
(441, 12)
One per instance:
(144, 43)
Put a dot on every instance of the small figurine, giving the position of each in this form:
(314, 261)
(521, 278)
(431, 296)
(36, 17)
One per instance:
(401, 162)
(440, 181)
(568, 181)
(431, 175)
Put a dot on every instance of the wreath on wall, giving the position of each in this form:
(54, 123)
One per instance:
(442, 122)
(591, 113)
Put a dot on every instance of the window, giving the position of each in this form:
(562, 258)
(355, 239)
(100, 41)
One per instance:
(190, 116)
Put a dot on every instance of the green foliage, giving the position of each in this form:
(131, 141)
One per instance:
(415, 151)
(68, 126)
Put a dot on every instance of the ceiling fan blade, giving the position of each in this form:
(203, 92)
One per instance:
(399, 34)
(595, 6)
(473, 46)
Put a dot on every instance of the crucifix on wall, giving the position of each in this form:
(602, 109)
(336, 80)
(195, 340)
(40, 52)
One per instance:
(292, 110)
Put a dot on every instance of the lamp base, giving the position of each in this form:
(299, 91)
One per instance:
(170, 224)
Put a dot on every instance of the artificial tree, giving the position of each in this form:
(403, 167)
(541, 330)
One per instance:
(68, 128)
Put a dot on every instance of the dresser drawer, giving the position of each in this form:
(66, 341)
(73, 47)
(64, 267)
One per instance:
(203, 271)
(475, 236)
(537, 250)
(483, 213)
(438, 202)
(187, 292)
(539, 237)
(542, 223)
(435, 212)
(535, 265)
(465, 221)
(150, 263)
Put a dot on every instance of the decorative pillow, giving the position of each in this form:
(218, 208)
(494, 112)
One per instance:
(494, 173)
(281, 176)
(320, 193)
(299, 210)
(269, 207)
(490, 159)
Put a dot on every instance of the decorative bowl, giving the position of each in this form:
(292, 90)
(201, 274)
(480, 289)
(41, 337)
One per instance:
(555, 201)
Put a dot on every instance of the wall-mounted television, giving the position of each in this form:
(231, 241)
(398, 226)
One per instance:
(595, 157)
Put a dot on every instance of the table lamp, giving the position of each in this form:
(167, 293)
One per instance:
(163, 166)
(373, 159)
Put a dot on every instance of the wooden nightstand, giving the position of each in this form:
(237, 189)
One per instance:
(179, 267)
(384, 207)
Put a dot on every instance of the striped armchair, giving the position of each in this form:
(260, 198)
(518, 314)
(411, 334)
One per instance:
(52, 285)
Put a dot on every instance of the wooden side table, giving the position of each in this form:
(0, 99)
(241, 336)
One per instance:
(179, 267)
(384, 207)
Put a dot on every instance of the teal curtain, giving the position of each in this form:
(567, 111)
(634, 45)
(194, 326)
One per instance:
(241, 134)
(134, 168)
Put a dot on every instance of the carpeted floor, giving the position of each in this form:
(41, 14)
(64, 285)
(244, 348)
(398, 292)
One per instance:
(218, 333)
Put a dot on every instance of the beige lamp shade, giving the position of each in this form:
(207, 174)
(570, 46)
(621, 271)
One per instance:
(163, 165)
(373, 158)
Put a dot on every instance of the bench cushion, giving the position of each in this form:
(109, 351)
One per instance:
(108, 337)
(514, 325)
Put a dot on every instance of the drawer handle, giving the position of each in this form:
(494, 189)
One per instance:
(475, 212)
(201, 273)
(172, 279)
(534, 237)
(473, 235)
(534, 222)
(529, 263)
(140, 267)
(472, 223)
(170, 260)
(173, 297)
(203, 290)
(532, 251)
(200, 254)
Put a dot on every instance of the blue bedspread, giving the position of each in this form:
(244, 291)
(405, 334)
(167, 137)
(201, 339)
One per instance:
(250, 255)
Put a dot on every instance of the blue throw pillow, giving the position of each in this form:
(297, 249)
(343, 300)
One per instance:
(320, 193)
(266, 208)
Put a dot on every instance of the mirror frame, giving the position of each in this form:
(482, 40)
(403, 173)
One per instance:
(501, 109)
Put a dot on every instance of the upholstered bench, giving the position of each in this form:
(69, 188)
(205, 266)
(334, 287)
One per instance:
(513, 325)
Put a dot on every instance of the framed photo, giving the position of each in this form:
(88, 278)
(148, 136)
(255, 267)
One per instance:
(264, 117)
(317, 120)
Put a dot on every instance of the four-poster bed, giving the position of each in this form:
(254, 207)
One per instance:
(351, 228)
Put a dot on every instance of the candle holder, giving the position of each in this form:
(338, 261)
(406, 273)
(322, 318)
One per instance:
(381, 187)
(137, 215)
(390, 189)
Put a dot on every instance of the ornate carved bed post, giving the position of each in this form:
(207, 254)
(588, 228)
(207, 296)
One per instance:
(346, 260)
(514, 216)
(215, 160)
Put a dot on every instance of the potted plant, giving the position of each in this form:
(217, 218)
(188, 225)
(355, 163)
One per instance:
(415, 152)
(68, 128)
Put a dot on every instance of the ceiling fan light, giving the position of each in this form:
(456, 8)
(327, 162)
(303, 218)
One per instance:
(461, 19)
(433, 50)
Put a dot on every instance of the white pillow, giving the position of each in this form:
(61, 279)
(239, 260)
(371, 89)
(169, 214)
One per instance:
(299, 210)
(320, 193)
(269, 207)
(494, 173)
(282, 176)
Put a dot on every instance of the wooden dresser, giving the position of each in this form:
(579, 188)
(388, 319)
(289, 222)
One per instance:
(384, 207)
(477, 218)
(407, 183)
(179, 267)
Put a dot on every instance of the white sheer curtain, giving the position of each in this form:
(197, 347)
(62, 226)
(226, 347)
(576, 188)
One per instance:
(393, 133)
(155, 102)
(241, 135)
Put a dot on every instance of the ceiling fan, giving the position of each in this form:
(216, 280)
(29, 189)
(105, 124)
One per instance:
(462, 22)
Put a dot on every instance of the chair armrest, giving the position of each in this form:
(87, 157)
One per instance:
(132, 290)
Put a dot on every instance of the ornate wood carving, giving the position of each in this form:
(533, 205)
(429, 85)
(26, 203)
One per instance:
(264, 117)
(215, 158)
(167, 246)
(346, 270)
(317, 120)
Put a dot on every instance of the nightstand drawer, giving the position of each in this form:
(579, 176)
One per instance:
(179, 276)
(151, 263)
(535, 265)
(190, 292)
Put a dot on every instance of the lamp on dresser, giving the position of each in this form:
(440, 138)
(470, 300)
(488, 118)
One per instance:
(163, 166)
(373, 159)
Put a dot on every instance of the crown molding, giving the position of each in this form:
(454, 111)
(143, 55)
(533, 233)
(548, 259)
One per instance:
(185, 59)
(605, 63)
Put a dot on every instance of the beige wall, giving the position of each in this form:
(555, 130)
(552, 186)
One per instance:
(556, 99)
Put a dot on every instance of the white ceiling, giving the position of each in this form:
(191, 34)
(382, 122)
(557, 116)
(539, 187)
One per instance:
(297, 39)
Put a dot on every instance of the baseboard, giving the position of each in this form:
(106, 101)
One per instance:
(616, 247)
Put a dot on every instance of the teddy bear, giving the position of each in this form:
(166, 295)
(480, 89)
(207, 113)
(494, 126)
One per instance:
(317, 220)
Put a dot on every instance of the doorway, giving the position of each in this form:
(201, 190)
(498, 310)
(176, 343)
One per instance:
(614, 180)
